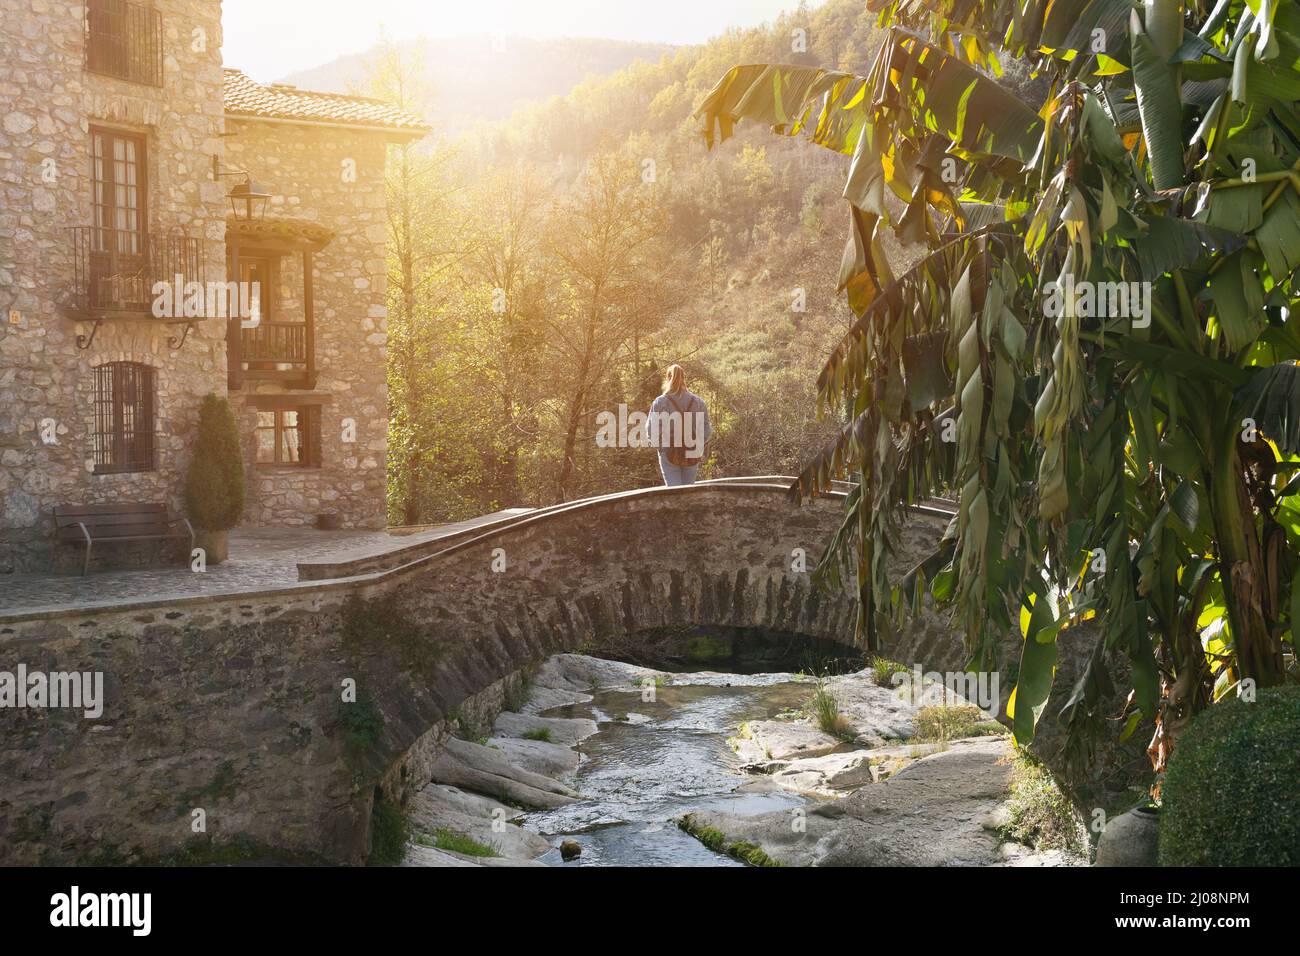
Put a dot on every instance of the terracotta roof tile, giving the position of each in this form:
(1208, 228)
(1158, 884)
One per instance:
(244, 97)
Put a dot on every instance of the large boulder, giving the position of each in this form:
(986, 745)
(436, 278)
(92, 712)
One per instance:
(1117, 769)
(930, 813)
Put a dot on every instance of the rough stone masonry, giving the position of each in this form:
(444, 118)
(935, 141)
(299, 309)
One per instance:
(193, 136)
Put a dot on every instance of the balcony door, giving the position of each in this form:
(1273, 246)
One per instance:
(119, 270)
(280, 346)
(258, 347)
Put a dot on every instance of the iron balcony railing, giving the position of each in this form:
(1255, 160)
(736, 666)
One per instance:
(115, 270)
(124, 40)
(276, 342)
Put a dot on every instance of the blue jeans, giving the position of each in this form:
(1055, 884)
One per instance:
(673, 475)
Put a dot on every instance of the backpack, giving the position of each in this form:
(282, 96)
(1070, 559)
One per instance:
(677, 453)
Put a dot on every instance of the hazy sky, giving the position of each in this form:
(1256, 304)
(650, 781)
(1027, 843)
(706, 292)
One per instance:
(271, 38)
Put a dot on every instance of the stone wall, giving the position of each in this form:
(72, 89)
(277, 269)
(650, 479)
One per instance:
(233, 705)
(334, 178)
(50, 103)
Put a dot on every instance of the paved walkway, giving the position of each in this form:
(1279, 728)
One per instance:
(260, 559)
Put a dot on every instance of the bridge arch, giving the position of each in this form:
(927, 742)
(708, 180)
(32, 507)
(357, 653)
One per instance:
(713, 554)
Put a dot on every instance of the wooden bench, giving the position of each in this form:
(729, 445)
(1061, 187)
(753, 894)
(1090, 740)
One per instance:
(87, 524)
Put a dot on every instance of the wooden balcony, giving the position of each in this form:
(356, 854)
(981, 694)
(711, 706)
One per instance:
(276, 351)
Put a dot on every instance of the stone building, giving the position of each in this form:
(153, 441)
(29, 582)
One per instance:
(122, 139)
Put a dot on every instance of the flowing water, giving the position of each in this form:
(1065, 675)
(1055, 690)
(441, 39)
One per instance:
(652, 762)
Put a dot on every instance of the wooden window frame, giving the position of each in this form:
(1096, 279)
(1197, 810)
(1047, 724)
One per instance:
(110, 136)
(124, 431)
(308, 429)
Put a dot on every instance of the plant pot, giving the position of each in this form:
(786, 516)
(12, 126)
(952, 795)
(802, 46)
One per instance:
(329, 521)
(1129, 839)
(215, 545)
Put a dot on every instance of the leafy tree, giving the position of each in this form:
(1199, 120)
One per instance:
(1127, 453)
(479, 382)
(214, 485)
(615, 283)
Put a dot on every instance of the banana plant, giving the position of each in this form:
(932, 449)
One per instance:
(1096, 352)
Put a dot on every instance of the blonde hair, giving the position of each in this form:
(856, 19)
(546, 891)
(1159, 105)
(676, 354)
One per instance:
(674, 379)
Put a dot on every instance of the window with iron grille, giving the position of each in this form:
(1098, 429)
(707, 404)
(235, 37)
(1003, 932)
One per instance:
(124, 418)
(124, 40)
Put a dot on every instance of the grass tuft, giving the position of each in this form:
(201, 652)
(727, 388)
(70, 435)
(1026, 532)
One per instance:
(453, 841)
(883, 671)
(824, 708)
(941, 724)
(1040, 815)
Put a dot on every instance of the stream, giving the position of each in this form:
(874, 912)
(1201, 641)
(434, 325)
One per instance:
(652, 762)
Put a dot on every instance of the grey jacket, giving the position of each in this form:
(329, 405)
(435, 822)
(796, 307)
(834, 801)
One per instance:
(684, 410)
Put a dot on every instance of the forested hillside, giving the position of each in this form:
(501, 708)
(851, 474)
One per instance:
(558, 260)
(523, 70)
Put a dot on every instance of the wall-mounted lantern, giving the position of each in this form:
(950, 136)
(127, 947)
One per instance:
(248, 200)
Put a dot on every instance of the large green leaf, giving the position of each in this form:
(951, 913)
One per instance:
(1279, 236)
(1172, 243)
(787, 97)
(1272, 399)
(1158, 104)
(971, 110)
(1237, 210)
(1238, 297)
(1039, 626)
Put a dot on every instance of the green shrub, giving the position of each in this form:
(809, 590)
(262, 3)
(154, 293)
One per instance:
(214, 485)
(362, 722)
(539, 733)
(1229, 796)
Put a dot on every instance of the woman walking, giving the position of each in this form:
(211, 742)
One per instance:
(680, 427)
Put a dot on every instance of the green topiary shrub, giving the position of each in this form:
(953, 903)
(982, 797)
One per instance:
(1231, 795)
(214, 486)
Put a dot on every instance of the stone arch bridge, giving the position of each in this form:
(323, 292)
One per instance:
(234, 704)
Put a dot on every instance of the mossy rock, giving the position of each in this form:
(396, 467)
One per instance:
(705, 647)
(1231, 795)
